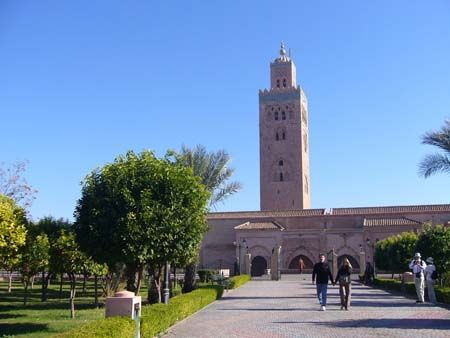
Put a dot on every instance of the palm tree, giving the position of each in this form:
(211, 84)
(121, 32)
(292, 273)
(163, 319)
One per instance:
(438, 162)
(214, 171)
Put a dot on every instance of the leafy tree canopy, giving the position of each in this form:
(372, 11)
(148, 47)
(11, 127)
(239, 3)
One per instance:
(394, 253)
(141, 209)
(435, 242)
(12, 231)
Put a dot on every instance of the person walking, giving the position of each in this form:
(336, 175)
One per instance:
(429, 270)
(321, 270)
(301, 265)
(344, 279)
(418, 266)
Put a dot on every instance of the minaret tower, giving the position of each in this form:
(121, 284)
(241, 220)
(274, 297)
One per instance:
(283, 140)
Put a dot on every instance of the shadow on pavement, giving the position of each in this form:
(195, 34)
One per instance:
(266, 309)
(249, 297)
(390, 323)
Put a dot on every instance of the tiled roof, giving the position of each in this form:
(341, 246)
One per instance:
(259, 226)
(265, 214)
(392, 210)
(384, 222)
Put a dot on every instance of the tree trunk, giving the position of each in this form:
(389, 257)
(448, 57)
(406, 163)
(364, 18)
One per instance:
(139, 279)
(130, 274)
(154, 290)
(95, 291)
(42, 285)
(32, 283)
(45, 284)
(61, 285)
(72, 295)
(25, 295)
(174, 277)
(10, 273)
(84, 285)
(189, 278)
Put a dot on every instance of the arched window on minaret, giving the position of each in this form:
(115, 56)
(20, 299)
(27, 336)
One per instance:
(281, 177)
(276, 116)
(278, 83)
(284, 83)
(280, 163)
(277, 137)
(283, 115)
(283, 135)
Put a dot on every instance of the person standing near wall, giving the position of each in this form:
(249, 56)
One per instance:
(323, 273)
(418, 266)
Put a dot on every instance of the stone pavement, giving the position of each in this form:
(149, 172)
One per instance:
(289, 308)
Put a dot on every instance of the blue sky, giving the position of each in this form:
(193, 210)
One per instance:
(84, 81)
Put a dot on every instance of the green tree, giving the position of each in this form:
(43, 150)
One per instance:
(12, 235)
(383, 257)
(34, 259)
(98, 271)
(434, 242)
(71, 260)
(52, 228)
(214, 170)
(438, 162)
(141, 209)
(394, 253)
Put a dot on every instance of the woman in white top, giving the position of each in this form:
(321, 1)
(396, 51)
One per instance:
(430, 281)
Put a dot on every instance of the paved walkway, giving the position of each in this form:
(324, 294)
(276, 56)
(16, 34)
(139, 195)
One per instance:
(289, 308)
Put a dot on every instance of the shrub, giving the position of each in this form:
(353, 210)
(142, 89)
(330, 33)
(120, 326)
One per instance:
(237, 281)
(442, 293)
(206, 274)
(113, 327)
(159, 317)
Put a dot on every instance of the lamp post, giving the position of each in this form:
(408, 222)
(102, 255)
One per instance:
(238, 245)
(166, 290)
(372, 246)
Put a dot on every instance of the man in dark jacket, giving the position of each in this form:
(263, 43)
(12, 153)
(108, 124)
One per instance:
(323, 273)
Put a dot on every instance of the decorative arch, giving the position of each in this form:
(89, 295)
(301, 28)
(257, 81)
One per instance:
(258, 267)
(259, 250)
(294, 262)
(299, 251)
(345, 249)
(353, 261)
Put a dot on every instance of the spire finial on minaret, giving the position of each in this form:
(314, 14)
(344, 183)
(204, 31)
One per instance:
(282, 50)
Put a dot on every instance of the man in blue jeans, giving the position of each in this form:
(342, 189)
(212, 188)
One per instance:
(323, 273)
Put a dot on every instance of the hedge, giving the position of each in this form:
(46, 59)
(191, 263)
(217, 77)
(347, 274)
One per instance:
(237, 281)
(159, 317)
(442, 293)
(205, 275)
(112, 327)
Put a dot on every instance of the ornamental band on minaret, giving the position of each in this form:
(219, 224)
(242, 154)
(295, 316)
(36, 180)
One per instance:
(283, 140)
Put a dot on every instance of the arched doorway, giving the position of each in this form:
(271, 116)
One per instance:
(352, 260)
(259, 264)
(294, 262)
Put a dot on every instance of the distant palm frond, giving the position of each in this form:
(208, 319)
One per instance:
(213, 170)
(436, 163)
(433, 164)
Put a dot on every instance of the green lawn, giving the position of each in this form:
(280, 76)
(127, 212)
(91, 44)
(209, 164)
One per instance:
(40, 319)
